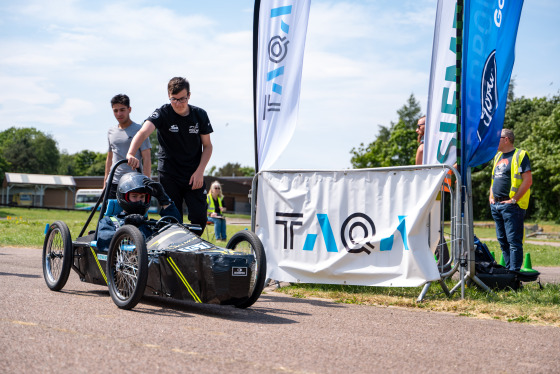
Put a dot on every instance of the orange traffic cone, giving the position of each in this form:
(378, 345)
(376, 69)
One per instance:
(527, 267)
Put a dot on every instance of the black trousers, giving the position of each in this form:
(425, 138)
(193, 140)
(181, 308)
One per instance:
(179, 191)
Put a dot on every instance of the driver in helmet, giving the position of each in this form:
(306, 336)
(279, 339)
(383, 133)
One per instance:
(134, 193)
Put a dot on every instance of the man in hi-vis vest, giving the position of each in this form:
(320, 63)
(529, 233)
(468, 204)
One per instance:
(509, 198)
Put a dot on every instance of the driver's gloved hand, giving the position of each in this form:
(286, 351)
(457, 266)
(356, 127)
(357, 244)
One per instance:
(134, 219)
(157, 191)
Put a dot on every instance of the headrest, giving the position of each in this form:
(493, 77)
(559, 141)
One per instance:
(113, 208)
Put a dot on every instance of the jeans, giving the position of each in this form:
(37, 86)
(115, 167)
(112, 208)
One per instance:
(509, 232)
(219, 228)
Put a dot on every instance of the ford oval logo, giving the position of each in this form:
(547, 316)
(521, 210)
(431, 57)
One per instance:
(488, 95)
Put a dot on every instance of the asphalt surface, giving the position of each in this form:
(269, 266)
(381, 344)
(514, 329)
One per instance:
(80, 330)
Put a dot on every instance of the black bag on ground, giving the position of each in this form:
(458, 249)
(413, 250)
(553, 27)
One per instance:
(442, 261)
(494, 275)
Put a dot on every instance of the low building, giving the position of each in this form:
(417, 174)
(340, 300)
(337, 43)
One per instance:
(59, 191)
(38, 190)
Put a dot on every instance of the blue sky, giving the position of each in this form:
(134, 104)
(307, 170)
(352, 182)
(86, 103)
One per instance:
(61, 61)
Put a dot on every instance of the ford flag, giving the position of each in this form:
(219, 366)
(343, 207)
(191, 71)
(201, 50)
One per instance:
(490, 30)
(279, 34)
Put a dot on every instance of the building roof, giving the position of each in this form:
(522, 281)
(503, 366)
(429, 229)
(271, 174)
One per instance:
(39, 179)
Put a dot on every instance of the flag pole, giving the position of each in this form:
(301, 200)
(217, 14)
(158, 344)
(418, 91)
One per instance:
(467, 257)
(256, 12)
(461, 162)
(253, 192)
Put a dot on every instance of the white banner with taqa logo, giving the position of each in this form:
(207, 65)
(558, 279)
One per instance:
(359, 227)
(280, 42)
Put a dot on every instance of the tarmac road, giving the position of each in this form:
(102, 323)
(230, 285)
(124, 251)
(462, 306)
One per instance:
(81, 330)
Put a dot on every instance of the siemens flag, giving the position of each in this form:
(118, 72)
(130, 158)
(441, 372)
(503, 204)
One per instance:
(440, 145)
(490, 30)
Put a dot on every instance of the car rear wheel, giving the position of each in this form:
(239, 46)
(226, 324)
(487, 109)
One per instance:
(248, 242)
(127, 267)
(57, 255)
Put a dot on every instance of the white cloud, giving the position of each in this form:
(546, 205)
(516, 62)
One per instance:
(61, 61)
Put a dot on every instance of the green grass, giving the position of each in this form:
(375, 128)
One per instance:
(486, 229)
(21, 227)
(528, 305)
(231, 229)
(541, 255)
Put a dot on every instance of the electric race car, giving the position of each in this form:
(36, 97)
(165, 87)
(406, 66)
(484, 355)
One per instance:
(173, 262)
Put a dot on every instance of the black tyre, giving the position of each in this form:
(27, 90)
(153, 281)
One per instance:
(249, 243)
(57, 255)
(127, 267)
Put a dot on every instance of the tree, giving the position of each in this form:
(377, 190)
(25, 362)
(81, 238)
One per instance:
(89, 163)
(234, 170)
(212, 171)
(4, 167)
(395, 145)
(543, 146)
(511, 88)
(247, 171)
(66, 164)
(536, 124)
(155, 148)
(28, 150)
(410, 112)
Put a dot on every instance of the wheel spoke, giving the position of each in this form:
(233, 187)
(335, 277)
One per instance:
(126, 268)
(55, 255)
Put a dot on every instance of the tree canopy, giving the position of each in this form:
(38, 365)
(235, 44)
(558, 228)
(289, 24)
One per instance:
(536, 125)
(395, 145)
(28, 150)
(232, 170)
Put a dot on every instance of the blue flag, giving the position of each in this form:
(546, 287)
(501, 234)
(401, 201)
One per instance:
(489, 33)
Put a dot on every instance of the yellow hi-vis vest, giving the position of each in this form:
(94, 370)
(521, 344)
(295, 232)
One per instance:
(211, 206)
(515, 176)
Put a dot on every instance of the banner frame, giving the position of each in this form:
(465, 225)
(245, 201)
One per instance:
(457, 242)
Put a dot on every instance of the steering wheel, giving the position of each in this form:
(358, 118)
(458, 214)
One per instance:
(166, 220)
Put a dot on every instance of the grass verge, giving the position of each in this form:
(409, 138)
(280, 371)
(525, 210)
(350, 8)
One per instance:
(22, 227)
(530, 305)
